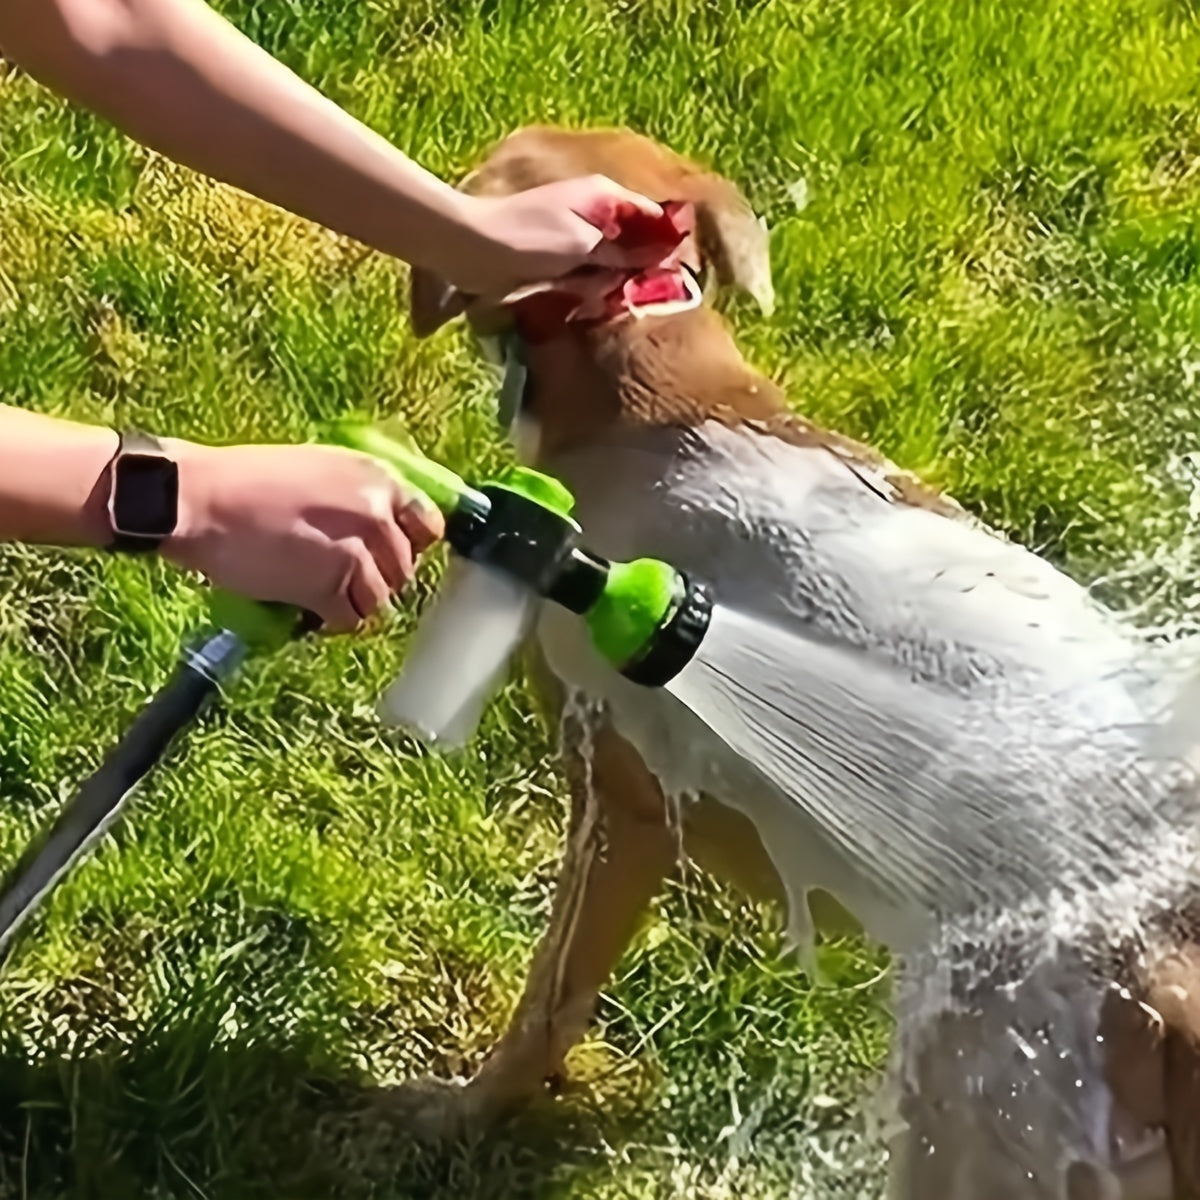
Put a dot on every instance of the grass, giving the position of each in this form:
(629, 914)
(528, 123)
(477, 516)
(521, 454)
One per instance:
(985, 236)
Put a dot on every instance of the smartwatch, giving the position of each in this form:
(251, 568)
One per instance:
(143, 502)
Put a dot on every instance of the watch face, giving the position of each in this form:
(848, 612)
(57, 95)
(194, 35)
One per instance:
(145, 497)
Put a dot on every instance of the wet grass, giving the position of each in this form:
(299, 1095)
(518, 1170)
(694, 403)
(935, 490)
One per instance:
(985, 237)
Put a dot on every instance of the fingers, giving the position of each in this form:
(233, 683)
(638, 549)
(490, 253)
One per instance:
(607, 205)
(363, 592)
(412, 525)
(383, 562)
(369, 591)
(637, 257)
(323, 529)
(421, 522)
(635, 232)
(394, 552)
(638, 202)
(547, 231)
(338, 614)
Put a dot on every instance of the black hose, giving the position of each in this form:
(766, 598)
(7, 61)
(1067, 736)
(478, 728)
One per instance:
(99, 800)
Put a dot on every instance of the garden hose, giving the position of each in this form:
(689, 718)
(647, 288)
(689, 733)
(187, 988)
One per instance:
(644, 618)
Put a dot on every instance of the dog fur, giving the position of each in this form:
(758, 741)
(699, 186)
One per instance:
(621, 844)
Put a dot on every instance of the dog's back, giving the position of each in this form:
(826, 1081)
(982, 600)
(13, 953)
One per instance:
(935, 614)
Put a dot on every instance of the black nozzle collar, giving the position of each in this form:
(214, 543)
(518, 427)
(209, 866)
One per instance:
(676, 642)
(530, 543)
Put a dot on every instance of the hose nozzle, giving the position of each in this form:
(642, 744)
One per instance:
(516, 544)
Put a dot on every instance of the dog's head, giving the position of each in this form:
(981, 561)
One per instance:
(725, 247)
(730, 243)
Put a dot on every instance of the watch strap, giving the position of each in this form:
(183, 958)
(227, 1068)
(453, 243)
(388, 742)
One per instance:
(134, 441)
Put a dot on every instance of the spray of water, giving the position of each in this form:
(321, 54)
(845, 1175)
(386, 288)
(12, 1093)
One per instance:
(952, 797)
(1051, 835)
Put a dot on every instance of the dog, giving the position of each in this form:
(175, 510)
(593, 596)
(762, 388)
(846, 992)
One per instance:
(677, 448)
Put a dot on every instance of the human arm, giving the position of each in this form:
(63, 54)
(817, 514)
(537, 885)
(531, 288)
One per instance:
(51, 480)
(318, 527)
(179, 78)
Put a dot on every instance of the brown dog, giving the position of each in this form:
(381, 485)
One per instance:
(592, 393)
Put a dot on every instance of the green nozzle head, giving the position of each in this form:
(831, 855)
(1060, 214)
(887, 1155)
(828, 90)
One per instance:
(638, 600)
(649, 621)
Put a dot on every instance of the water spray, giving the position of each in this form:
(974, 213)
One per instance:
(515, 544)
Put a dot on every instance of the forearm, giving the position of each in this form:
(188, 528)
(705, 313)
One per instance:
(52, 480)
(326, 530)
(182, 80)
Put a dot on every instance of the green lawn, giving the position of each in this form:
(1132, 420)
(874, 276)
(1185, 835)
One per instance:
(985, 237)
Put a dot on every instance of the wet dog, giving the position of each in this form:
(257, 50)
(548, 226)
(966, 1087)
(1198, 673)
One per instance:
(677, 448)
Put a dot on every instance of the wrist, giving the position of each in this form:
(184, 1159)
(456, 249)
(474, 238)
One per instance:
(196, 515)
(95, 518)
(463, 237)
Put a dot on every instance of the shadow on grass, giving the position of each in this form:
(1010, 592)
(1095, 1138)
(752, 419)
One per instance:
(244, 1122)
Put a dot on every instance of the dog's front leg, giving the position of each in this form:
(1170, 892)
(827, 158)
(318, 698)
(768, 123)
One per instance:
(1176, 994)
(619, 849)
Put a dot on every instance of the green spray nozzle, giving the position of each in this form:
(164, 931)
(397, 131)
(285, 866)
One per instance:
(644, 617)
(638, 599)
(398, 452)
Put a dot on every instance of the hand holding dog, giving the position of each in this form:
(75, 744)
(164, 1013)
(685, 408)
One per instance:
(549, 232)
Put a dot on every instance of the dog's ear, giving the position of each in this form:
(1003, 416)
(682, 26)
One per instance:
(732, 238)
(432, 302)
